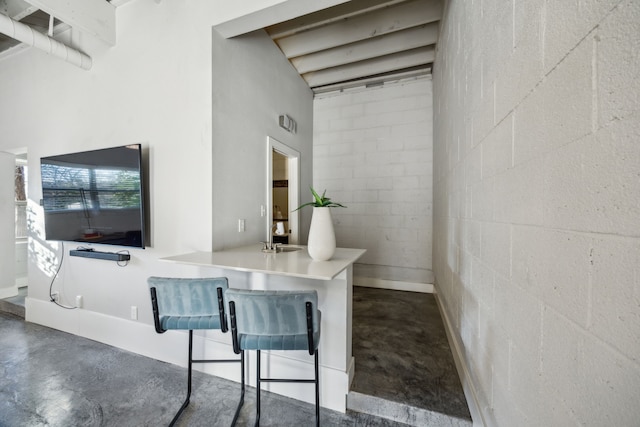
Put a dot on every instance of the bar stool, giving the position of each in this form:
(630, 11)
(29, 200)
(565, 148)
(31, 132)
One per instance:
(188, 304)
(275, 320)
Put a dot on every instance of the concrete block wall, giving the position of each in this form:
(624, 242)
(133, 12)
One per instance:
(373, 153)
(537, 207)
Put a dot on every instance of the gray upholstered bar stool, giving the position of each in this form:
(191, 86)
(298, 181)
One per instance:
(276, 320)
(189, 304)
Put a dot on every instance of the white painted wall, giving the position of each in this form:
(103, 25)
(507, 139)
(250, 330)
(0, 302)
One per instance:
(8, 286)
(536, 221)
(252, 86)
(154, 87)
(147, 89)
(373, 153)
(21, 266)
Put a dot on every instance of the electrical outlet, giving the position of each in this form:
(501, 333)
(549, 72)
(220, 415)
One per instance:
(134, 312)
(78, 301)
(241, 225)
(55, 296)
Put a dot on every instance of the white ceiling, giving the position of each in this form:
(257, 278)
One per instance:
(352, 43)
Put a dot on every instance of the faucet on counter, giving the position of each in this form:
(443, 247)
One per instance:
(270, 247)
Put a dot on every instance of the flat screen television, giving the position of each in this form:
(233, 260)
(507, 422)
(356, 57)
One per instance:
(95, 196)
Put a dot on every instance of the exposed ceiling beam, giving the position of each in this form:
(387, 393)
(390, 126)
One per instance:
(373, 81)
(16, 9)
(371, 48)
(96, 17)
(405, 15)
(328, 16)
(241, 17)
(397, 61)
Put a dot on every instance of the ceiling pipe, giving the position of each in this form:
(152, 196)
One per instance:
(25, 34)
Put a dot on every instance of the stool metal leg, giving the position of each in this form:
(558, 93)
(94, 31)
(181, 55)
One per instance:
(189, 370)
(242, 388)
(258, 389)
(317, 390)
(189, 381)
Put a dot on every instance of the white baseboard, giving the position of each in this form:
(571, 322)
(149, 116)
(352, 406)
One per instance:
(9, 292)
(372, 282)
(465, 377)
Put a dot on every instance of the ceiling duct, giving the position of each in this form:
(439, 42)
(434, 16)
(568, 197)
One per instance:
(25, 34)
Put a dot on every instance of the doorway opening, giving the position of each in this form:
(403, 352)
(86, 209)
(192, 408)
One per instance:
(13, 271)
(283, 192)
(21, 183)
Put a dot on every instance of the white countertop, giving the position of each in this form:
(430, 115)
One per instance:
(252, 259)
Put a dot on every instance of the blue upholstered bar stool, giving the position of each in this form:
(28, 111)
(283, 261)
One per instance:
(276, 320)
(190, 304)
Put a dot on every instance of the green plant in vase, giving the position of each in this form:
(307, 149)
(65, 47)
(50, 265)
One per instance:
(321, 201)
(322, 238)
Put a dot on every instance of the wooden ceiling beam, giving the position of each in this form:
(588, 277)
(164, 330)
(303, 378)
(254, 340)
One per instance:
(405, 15)
(412, 38)
(328, 16)
(376, 80)
(397, 61)
(241, 17)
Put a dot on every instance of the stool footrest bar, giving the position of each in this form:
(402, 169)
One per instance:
(216, 361)
(283, 380)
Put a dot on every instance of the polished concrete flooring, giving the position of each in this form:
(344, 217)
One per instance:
(404, 376)
(404, 366)
(14, 305)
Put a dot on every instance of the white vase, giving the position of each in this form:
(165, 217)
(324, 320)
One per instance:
(322, 237)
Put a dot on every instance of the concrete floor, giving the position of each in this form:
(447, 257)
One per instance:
(404, 366)
(14, 305)
(57, 379)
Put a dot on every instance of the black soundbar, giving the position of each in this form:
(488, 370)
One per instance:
(111, 256)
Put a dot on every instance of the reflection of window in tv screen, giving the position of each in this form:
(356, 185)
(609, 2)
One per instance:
(94, 196)
(70, 187)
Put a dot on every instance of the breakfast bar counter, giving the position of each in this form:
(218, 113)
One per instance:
(249, 268)
(294, 263)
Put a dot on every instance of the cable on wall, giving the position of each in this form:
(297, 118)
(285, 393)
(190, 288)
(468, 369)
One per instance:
(51, 298)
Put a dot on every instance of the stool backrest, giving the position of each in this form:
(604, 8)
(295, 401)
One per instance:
(269, 313)
(189, 297)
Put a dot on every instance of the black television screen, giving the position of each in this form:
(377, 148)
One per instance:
(95, 196)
